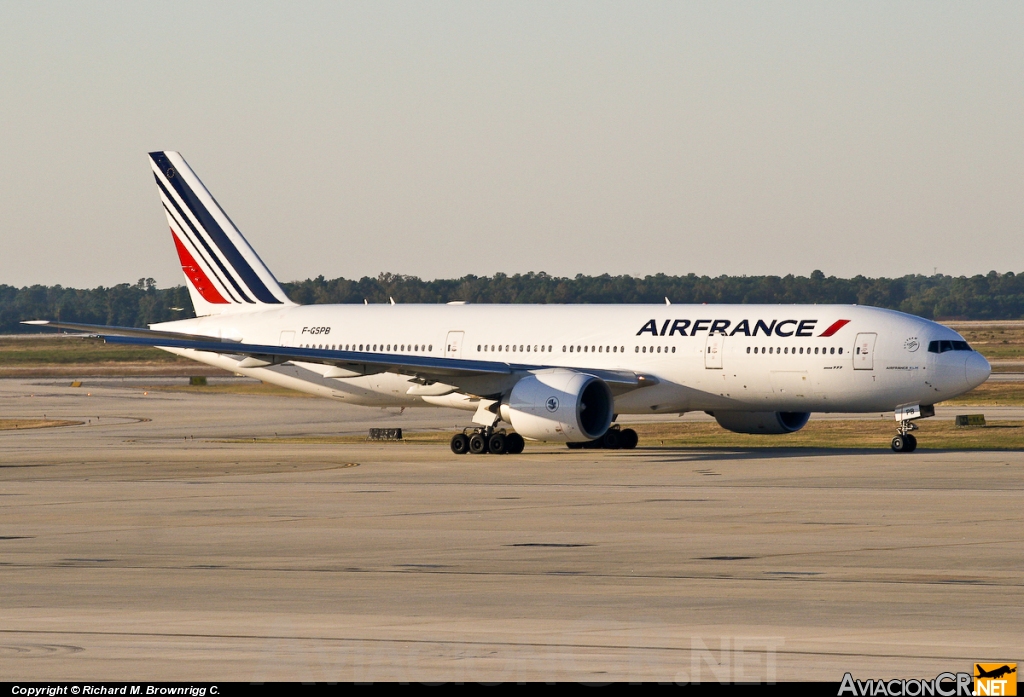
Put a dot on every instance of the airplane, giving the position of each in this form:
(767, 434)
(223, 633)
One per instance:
(555, 373)
(995, 673)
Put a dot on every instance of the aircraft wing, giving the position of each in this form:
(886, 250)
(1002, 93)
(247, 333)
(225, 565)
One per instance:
(448, 370)
(104, 330)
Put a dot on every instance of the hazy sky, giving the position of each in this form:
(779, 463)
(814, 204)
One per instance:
(441, 139)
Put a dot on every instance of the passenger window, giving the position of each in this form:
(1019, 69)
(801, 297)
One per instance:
(840, 350)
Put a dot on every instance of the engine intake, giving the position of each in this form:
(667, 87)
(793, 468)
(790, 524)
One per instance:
(772, 422)
(559, 405)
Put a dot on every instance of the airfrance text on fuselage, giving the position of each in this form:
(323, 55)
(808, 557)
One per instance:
(783, 328)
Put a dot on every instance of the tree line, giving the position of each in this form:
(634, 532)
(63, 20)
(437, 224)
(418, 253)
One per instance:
(992, 296)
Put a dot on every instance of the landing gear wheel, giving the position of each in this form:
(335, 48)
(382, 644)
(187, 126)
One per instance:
(497, 444)
(477, 444)
(514, 443)
(460, 444)
(612, 440)
(904, 444)
(575, 446)
(628, 439)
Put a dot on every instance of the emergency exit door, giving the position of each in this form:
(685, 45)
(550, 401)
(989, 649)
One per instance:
(864, 352)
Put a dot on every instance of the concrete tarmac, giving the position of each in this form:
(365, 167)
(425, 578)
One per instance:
(153, 543)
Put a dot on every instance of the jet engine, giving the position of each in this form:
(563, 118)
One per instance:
(762, 421)
(559, 405)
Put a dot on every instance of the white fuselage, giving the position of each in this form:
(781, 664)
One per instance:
(702, 357)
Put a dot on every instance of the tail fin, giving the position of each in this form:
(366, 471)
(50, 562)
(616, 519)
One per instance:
(222, 270)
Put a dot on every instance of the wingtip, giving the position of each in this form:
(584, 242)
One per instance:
(38, 322)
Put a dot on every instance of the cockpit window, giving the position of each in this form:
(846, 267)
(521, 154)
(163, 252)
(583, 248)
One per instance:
(943, 346)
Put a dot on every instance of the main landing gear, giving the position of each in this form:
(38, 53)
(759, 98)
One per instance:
(614, 438)
(479, 441)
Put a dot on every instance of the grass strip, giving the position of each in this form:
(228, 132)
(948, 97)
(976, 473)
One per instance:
(22, 424)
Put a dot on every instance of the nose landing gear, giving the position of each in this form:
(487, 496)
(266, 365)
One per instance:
(904, 441)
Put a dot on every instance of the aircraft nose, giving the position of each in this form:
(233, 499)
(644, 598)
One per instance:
(977, 369)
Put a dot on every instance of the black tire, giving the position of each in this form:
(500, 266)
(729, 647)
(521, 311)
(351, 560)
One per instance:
(628, 439)
(911, 445)
(514, 443)
(575, 446)
(898, 444)
(612, 440)
(497, 444)
(592, 444)
(477, 444)
(460, 444)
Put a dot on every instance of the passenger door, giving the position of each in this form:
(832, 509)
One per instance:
(864, 352)
(713, 352)
(453, 345)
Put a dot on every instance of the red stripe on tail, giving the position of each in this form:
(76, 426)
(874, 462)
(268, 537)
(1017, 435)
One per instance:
(196, 275)
(836, 326)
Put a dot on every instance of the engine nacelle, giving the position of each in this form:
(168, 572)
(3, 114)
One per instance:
(559, 405)
(762, 421)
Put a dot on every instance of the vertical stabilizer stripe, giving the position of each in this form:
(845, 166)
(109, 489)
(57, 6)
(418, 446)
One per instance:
(179, 229)
(194, 273)
(216, 234)
(202, 241)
